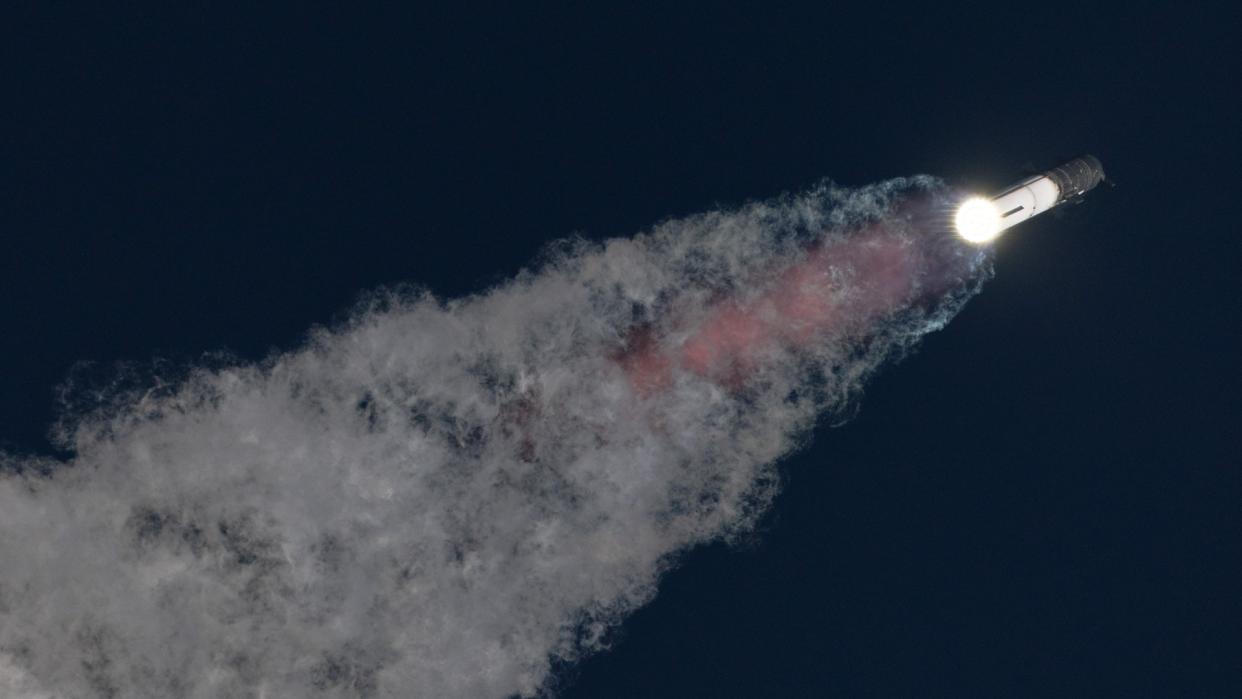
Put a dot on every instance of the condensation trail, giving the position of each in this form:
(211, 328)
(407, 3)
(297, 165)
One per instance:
(443, 498)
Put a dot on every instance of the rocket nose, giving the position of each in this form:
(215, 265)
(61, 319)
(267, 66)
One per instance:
(1077, 177)
(1096, 166)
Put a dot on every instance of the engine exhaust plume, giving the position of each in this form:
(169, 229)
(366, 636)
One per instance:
(444, 498)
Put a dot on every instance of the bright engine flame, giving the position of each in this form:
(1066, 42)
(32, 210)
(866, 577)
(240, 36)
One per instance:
(978, 221)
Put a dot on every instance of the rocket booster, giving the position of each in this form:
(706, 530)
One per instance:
(981, 219)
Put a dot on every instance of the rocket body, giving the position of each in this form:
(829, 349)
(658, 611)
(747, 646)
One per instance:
(1025, 199)
(981, 219)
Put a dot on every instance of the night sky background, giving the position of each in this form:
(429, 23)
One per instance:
(1043, 501)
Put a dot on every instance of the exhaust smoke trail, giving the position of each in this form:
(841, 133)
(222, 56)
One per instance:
(444, 498)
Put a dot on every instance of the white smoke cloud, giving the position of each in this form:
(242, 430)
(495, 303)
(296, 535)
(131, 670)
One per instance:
(435, 499)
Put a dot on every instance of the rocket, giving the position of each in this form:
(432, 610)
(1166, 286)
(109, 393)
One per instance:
(980, 220)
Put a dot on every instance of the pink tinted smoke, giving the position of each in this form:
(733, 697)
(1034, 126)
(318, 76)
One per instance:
(836, 290)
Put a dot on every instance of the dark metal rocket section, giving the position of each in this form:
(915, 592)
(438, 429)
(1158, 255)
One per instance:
(1076, 177)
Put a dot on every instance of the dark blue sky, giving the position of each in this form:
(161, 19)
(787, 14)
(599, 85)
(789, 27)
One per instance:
(1042, 502)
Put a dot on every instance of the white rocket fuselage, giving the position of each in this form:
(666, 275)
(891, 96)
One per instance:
(981, 219)
(1025, 199)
